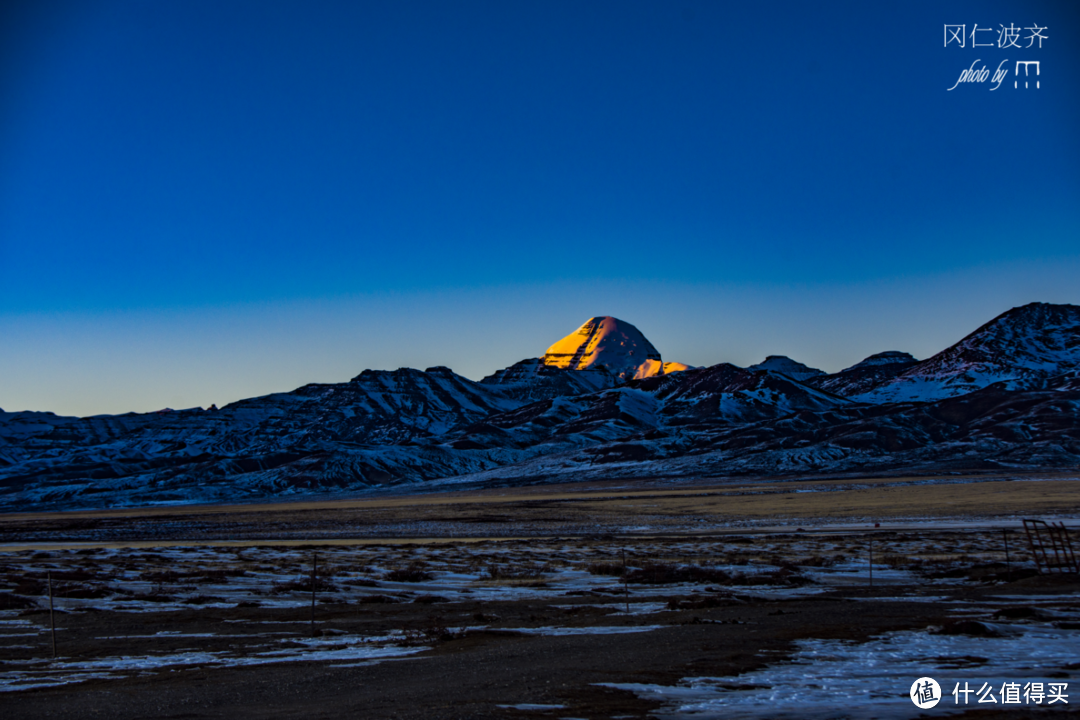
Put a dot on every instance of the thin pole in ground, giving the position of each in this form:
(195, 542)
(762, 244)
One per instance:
(871, 562)
(625, 587)
(314, 567)
(1008, 565)
(52, 616)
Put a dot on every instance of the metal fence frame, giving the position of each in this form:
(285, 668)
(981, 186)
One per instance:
(1051, 546)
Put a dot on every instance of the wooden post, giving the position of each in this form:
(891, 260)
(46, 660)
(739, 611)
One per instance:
(314, 566)
(625, 587)
(52, 617)
(1008, 565)
(871, 562)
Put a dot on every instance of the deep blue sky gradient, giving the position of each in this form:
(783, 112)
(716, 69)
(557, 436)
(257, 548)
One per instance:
(230, 163)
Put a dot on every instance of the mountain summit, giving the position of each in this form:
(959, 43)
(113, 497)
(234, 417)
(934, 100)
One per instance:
(864, 376)
(792, 368)
(609, 343)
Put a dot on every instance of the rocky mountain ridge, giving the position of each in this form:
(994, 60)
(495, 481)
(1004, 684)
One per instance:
(1025, 344)
(864, 376)
(1006, 396)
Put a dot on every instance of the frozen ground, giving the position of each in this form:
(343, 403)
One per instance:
(131, 614)
(178, 578)
(827, 679)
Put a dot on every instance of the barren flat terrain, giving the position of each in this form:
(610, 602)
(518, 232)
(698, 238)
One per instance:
(812, 599)
(578, 509)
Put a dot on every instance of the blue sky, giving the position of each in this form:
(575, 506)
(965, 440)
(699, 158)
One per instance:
(205, 201)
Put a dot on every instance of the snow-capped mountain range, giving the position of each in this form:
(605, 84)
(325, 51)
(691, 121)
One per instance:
(599, 403)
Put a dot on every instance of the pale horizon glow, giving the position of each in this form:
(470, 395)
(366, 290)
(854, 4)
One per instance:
(144, 360)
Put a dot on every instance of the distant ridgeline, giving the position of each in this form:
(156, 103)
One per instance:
(601, 403)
